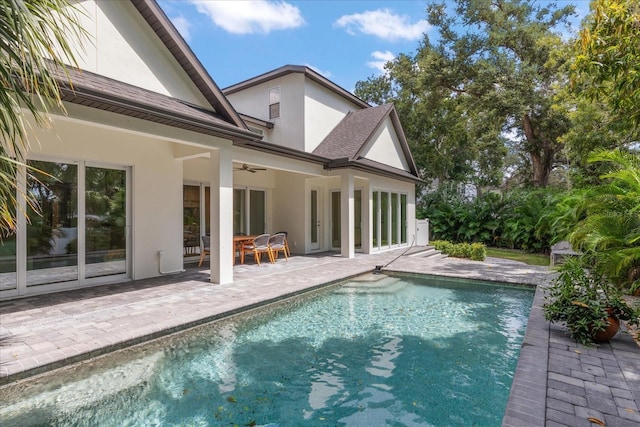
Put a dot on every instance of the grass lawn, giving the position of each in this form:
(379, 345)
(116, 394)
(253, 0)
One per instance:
(516, 255)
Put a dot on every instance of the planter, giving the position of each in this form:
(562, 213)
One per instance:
(610, 331)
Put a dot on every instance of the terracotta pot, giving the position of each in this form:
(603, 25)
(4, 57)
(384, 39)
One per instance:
(610, 331)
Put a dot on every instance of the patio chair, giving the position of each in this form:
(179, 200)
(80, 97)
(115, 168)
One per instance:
(206, 248)
(257, 247)
(277, 243)
(286, 241)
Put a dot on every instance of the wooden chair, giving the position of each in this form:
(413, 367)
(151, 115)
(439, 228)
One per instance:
(259, 246)
(277, 243)
(206, 248)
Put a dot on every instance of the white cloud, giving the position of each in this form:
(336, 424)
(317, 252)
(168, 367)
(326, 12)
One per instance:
(381, 58)
(183, 26)
(383, 23)
(249, 17)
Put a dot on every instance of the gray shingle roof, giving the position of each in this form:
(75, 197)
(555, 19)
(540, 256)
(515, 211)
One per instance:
(345, 143)
(348, 138)
(96, 91)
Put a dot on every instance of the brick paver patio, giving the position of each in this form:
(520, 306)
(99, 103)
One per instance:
(557, 382)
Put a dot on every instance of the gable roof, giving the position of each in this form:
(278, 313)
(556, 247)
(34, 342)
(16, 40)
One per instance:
(345, 143)
(289, 69)
(178, 47)
(97, 91)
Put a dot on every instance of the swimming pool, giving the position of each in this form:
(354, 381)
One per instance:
(374, 351)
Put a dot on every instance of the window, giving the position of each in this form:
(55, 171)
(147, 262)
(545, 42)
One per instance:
(249, 211)
(389, 219)
(274, 102)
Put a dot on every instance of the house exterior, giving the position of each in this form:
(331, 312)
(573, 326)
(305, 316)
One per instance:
(150, 155)
(363, 199)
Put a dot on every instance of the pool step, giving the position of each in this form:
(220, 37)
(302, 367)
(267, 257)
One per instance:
(373, 283)
(428, 252)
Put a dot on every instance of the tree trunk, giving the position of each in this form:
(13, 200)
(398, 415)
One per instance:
(541, 153)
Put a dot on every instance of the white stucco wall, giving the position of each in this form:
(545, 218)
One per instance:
(289, 212)
(156, 185)
(288, 129)
(384, 147)
(323, 110)
(123, 47)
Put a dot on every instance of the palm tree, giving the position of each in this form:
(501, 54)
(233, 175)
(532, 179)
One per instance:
(34, 41)
(611, 227)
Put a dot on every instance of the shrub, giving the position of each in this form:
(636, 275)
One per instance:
(478, 252)
(474, 251)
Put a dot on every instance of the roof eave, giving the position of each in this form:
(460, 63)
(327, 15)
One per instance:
(175, 43)
(344, 163)
(224, 131)
(288, 69)
(270, 148)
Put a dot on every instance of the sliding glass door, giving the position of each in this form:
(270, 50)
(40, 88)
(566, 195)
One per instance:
(105, 222)
(78, 228)
(52, 233)
(249, 211)
(389, 219)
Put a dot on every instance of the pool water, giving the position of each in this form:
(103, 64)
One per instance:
(375, 351)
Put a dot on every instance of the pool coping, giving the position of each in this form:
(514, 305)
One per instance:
(556, 381)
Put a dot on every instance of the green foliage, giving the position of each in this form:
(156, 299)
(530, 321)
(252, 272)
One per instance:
(493, 70)
(580, 297)
(478, 252)
(609, 224)
(473, 251)
(34, 50)
(608, 64)
(516, 220)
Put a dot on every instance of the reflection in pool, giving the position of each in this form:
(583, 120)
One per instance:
(374, 351)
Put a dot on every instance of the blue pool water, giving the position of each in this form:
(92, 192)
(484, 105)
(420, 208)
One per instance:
(397, 352)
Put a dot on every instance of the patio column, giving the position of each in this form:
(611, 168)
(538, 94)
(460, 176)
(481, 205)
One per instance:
(221, 258)
(347, 221)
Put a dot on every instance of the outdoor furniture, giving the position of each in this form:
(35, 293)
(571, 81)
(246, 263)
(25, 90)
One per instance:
(257, 247)
(561, 250)
(239, 240)
(277, 243)
(206, 248)
(286, 241)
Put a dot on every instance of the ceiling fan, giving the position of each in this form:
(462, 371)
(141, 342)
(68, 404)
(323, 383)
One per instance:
(245, 167)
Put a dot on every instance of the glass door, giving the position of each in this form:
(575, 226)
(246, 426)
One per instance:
(249, 211)
(384, 219)
(257, 212)
(52, 234)
(105, 222)
(357, 219)
(77, 236)
(191, 208)
(395, 213)
(376, 223)
(314, 221)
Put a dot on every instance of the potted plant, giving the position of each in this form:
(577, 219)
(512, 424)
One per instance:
(588, 304)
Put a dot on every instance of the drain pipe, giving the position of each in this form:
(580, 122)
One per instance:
(165, 273)
(378, 269)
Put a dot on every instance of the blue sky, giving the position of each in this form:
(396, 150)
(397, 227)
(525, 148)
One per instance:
(345, 41)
